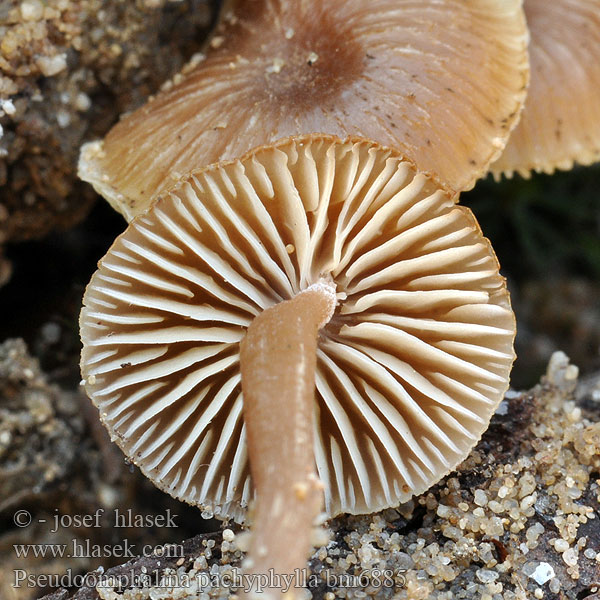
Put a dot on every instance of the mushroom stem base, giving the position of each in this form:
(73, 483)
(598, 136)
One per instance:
(278, 361)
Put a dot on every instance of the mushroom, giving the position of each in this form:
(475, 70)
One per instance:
(316, 310)
(560, 124)
(442, 81)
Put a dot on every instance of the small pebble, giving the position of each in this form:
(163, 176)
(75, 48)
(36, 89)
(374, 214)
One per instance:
(486, 575)
(570, 557)
(82, 102)
(8, 107)
(561, 545)
(32, 10)
(52, 65)
(543, 573)
(480, 498)
(228, 535)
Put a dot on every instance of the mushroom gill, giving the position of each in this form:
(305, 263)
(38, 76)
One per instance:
(408, 369)
(441, 81)
(560, 124)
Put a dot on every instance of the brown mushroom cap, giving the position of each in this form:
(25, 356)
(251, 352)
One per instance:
(560, 124)
(410, 368)
(442, 81)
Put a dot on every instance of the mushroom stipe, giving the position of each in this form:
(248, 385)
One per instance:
(395, 325)
(278, 362)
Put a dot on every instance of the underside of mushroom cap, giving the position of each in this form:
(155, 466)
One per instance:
(410, 368)
(560, 125)
(441, 81)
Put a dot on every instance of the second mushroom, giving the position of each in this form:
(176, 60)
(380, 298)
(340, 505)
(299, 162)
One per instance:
(315, 324)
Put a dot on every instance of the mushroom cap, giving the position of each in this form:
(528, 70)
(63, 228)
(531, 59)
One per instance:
(560, 124)
(410, 368)
(443, 81)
